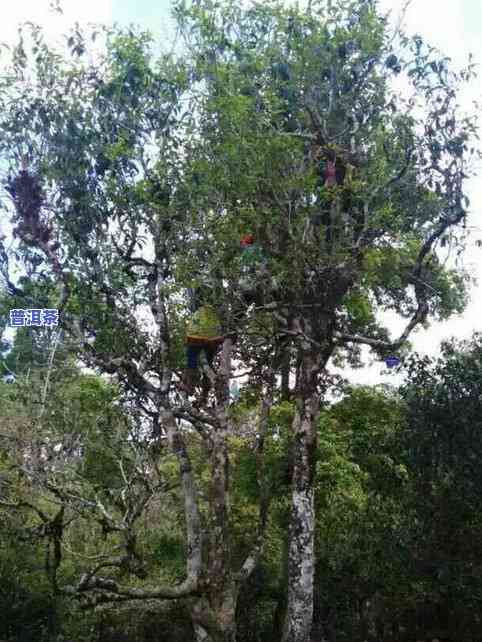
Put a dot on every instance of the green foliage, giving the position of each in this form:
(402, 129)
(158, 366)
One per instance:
(154, 170)
(26, 602)
(167, 552)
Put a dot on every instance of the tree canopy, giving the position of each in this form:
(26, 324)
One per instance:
(269, 170)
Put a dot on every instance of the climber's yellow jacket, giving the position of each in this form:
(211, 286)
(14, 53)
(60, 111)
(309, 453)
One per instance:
(204, 327)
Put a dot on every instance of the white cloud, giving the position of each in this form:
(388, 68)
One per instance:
(447, 25)
(39, 12)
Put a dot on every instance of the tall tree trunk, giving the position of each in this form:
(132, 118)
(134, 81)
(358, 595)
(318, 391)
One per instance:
(299, 615)
(214, 614)
(215, 622)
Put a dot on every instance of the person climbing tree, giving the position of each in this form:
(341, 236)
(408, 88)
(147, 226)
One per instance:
(335, 170)
(203, 334)
(252, 263)
(330, 173)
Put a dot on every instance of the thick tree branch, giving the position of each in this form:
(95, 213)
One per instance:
(185, 589)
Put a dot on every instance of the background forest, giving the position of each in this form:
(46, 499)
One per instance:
(222, 228)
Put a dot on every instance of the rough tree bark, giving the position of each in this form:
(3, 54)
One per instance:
(214, 615)
(214, 612)
(299, 613)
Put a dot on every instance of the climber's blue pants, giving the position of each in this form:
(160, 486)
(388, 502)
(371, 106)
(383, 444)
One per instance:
(193, 352)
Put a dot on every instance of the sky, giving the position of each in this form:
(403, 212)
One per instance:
(454, 26)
